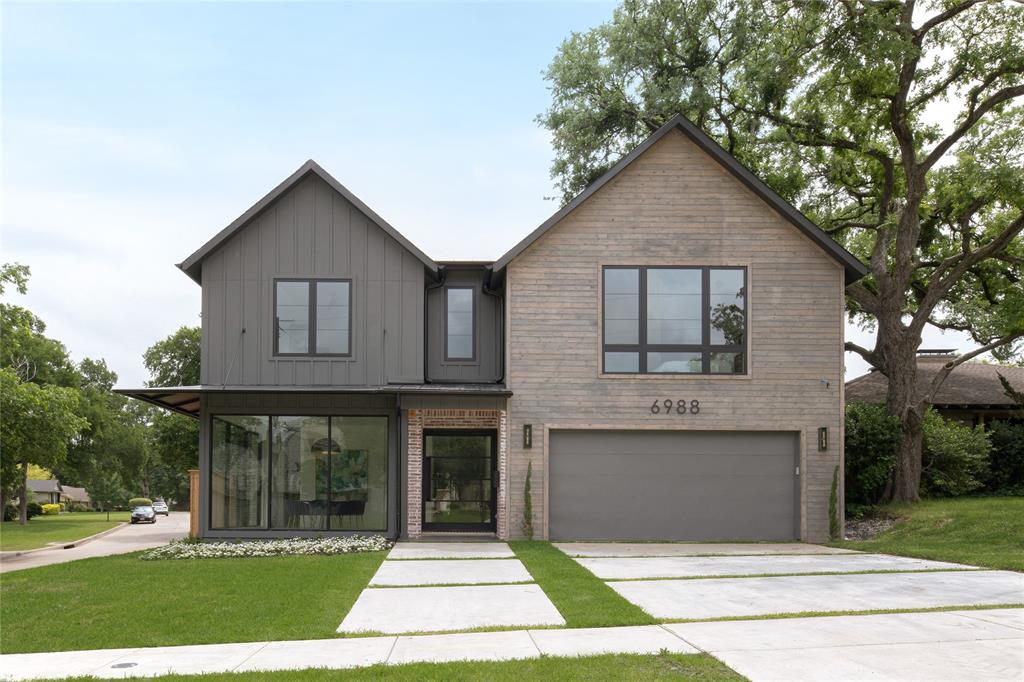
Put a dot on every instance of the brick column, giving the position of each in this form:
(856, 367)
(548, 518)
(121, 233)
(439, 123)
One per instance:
(414, 475)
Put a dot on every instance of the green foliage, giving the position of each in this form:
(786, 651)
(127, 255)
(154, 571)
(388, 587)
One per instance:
(51, 509)
(956, 457)
(1006, 462)
(527, 521)
(14, 274)
(871, 444)
(140, 502)
(174, 361)
(833, 507)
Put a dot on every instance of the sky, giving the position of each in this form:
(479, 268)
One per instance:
(131, 133)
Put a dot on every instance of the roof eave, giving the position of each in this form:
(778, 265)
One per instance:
(192, 266)
(852, 266)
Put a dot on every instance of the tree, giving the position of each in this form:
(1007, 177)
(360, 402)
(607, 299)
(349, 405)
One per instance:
(174, 438)
(833, 104)
(36, 423)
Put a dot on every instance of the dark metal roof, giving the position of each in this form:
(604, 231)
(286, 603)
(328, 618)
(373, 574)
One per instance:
(192, 266)
(185, 399)
(853, 267)
(972, 384)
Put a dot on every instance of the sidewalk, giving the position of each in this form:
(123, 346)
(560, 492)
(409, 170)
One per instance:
(983, 644)
(341, 653)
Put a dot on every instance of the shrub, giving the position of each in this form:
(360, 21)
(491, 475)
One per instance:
(527, 521)
(51, 509)
(955, 460)
(1006, 462)
(10, 512)
(33, 509)
(872, 435)
(833, 506)
(189, 548)
(140, 502)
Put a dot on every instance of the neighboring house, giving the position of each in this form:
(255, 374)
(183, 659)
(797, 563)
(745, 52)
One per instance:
(76, 496)
(46, 491)
(972, 393)
(666, 350)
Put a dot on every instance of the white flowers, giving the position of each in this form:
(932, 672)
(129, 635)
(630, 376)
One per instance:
(191, 549)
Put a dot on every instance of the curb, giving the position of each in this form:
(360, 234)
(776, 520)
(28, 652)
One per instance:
(67, 545)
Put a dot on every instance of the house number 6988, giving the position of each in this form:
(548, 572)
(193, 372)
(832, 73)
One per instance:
(669, 406)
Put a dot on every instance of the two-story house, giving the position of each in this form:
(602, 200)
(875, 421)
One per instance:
(664, 356)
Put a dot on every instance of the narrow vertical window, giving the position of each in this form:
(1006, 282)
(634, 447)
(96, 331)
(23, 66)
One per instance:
(333, 317)
(459, 319)
(291, 317)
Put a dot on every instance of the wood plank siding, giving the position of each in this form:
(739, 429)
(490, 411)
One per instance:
(675, 206)
(312, 231)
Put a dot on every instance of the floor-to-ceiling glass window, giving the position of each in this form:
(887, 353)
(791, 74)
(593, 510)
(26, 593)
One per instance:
(329, 473)
(238, 484)
(302, 450)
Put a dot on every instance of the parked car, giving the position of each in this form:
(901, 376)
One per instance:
(160, 507)
(144, 514)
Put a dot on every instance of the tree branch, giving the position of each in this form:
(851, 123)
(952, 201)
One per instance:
(869, 356)
(941, 375)
(974, 115)
(945, 16)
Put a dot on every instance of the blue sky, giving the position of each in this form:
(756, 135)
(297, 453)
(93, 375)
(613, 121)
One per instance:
(131, 133)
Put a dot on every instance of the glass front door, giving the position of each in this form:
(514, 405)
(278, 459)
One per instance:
(459, 480)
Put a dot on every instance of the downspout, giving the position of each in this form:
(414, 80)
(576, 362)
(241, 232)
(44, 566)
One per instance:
(442, 278)
(501, 324)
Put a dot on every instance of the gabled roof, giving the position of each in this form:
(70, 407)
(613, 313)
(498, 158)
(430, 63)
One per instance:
(43, 485)
(972, 384)
(192, 266)
(76, 494)
(853, 267)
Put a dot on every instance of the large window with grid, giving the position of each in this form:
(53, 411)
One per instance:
(674, 320)
(313, 317)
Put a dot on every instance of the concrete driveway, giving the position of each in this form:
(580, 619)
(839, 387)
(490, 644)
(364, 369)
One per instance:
(127, 538)
(701, 582)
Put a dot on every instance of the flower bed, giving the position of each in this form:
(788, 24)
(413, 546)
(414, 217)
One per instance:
(190, 549)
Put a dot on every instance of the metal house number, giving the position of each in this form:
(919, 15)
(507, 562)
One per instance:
(669, 406)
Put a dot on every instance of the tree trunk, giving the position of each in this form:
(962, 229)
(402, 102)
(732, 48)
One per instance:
(23, 502)
(903, 402)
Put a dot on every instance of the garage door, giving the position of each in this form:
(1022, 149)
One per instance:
(673, 485)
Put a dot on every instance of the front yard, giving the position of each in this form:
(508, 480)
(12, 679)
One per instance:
(980, 531)
(120, 601)
(41, 531)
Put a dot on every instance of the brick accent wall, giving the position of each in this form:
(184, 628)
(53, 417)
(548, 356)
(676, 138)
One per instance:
(419, 420)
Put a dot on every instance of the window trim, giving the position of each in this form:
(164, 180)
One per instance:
(705, 348)
(473, 302)
(311, 283)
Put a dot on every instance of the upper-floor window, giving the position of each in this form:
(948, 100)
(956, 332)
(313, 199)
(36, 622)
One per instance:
(459, 342)
(675, 320)
(312, 317)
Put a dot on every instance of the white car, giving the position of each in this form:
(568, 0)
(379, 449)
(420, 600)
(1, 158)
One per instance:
(160, 507)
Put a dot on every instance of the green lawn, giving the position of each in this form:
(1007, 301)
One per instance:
(42, 530)
(582, 598)
(590, 668)
(982, 531)
(121, 601)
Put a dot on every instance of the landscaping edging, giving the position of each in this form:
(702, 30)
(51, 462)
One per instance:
(64, 545)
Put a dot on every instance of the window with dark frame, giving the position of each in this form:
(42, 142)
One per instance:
(674, 320)
(313, 317)
(459, 323)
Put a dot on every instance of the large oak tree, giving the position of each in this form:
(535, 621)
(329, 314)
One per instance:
(895, 125)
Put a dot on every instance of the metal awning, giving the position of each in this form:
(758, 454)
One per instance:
(185, 399)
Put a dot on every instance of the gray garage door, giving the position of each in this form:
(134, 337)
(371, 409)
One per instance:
(673, 485)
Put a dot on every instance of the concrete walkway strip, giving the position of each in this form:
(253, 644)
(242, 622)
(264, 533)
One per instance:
(633, 568)
(472, 646)
(450, 572)
(399, 610)
(183, 660)
(451, 550)
(652, 549)
(320, 653)
(737, 597)
(642, 639)
(833, 631)
(897, 647)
